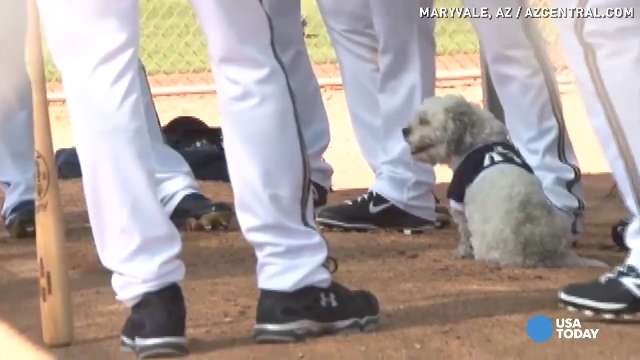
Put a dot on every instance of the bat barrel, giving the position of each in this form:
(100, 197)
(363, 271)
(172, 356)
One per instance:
(55, 296)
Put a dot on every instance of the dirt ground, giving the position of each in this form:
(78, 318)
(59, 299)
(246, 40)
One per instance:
(432, 306)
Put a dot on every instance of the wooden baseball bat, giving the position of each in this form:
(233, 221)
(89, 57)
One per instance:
(55, 296)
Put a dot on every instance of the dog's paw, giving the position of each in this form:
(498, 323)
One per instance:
(463, 252)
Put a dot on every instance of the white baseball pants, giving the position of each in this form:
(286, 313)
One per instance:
(17, 166)
(174, 178)
(289, 42)
(386, 56)
(265, 148)
(605, 57)
(525, 83)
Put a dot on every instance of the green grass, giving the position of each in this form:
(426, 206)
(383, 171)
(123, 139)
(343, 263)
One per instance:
(171, 41)
(454, 36)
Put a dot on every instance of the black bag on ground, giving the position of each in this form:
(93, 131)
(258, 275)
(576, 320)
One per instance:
(200, 145)
(68, 164)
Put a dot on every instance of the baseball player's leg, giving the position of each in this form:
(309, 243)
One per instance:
(407, 77)
(133, 235)
(173, 176)
(289, 41)
(605, 56)
(270, 175)
(386, 57)
(352, 34)
(16, 124)
(176, 185)
(525, 83)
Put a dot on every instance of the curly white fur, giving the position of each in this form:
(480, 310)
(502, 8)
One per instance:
(507, 218)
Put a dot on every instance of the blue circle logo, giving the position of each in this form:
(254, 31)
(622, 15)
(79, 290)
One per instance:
(540, 328)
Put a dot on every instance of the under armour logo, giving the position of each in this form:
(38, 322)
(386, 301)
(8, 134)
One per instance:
(328, 300)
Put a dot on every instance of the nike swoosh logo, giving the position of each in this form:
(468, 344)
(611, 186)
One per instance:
(374, 209)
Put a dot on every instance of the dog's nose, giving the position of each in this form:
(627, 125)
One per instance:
(406, 132)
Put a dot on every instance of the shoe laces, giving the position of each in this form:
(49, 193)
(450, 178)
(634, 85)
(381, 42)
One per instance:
(366, 197)
(620, 272)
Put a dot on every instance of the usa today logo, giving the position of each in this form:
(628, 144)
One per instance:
(541, 329)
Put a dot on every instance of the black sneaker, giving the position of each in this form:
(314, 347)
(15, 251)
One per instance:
(21, 220)
(156, 326)
(614, 294)
(195, 212)
(372, 211)
(312, 311)
(617, 234)
(320, 194)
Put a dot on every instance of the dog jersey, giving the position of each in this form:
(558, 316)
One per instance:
(476, 162)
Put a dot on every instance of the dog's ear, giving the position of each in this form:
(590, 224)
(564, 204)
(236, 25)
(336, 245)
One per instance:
(461, 115)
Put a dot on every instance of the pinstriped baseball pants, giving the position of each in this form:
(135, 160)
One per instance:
(525, 83)
(604, 54)
(94, 43)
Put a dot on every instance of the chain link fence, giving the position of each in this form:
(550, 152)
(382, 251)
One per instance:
(174, 51)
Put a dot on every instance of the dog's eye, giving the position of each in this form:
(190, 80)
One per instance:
(424, 121)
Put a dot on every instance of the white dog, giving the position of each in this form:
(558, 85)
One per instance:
(496, 200)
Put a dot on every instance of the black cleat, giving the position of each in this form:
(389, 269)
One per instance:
(372, 211)
(320, 194)
(21, 220)
(195, 212)
(156, 326)
(615, 294)
(617, 234)
(312, 311)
